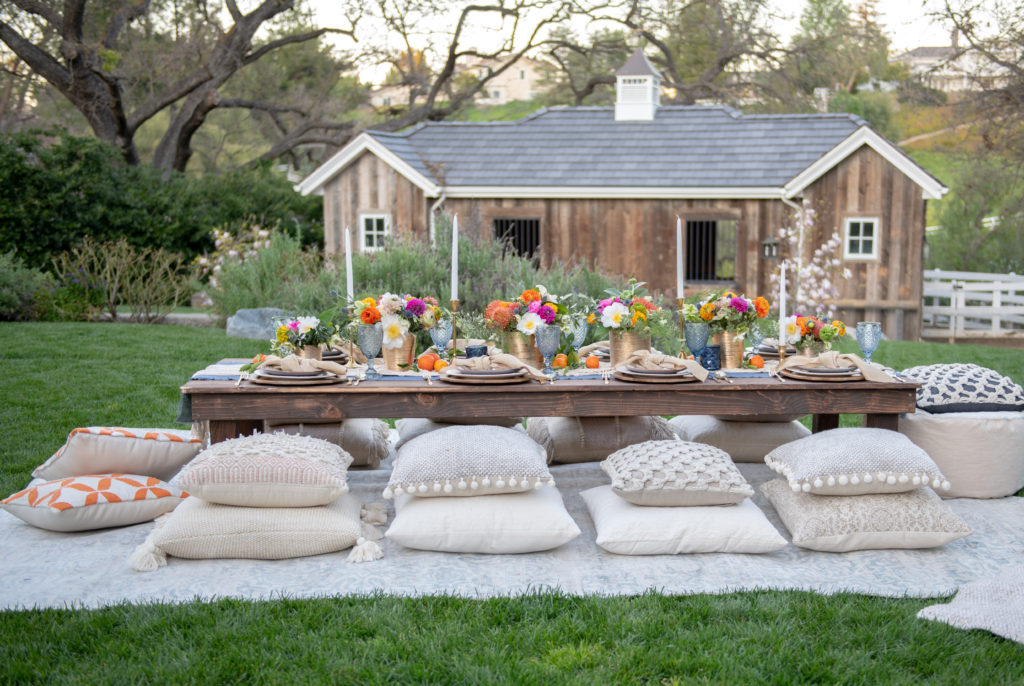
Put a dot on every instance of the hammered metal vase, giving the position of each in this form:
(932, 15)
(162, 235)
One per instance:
(403, 354)
(732, 349)
(523, 347)
(310, 352)
(622, 344)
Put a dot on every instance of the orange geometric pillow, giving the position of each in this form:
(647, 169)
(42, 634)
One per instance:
(103, 449)
(94, 501)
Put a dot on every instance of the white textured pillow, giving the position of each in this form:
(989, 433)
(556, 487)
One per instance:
(98, 501)
(512, 523)
(964, 388)
(675, 473)
(410, 428)
(627, 529)
(838, 524)
(981, 453)
(468, 461)
(855, 461)
(268, 470)
(201, 530)
(106, 450)
(744, 441)
(366, 440)
(569, 440)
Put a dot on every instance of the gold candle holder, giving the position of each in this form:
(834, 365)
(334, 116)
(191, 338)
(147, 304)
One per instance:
(682, 326)
(351, 364)
(455, 327)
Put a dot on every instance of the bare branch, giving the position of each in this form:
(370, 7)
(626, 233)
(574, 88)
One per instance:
(120, 18)
(41, 10)
(296, 38)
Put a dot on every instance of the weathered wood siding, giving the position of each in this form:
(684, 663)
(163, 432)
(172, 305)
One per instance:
(886, 289)
(369, 185)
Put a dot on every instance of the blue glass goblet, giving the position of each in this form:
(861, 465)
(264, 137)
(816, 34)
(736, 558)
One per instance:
(440, 334)
(370, 337)
(697, 334)
(579, 334)
(869, 334)
(548, 337)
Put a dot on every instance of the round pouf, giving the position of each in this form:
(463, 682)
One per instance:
(981, 453)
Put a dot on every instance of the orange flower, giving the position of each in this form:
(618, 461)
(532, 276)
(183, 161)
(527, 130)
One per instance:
(371, 315)
(707, 312)
(529, 295)
(591, 318)
(802, 323)
(762, 307)
(757, 362)
(499, 313)
(839, 327)
(638, 315)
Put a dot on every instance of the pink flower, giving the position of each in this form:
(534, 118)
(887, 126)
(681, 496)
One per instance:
(546, 313)
(293, 325)
(534, 306)
(739, 304)
(603, 304)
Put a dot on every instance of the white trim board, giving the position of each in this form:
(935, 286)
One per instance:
(612, 192)
(931, 188)
(315, 182)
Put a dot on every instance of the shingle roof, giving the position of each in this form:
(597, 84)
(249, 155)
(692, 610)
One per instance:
(944, 52)
(637, 65)
(697, 147)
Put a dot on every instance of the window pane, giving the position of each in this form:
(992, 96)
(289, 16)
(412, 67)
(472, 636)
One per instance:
(854, 230)
(868, 230)
(867, 246)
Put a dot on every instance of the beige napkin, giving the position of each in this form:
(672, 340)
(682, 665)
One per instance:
(356, 352)
(832, 359)
(499, 361)
(652, 359)
(294, 363)
(587, 349)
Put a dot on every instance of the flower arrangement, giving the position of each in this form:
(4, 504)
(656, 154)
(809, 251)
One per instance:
(628, 309)
(399, 315)
(812, 332)
(297, 332)
(728, 312)
(533, 307)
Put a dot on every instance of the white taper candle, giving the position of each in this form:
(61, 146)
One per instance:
(782, 305)
(679, 258)
(455, 258)
(349, 290)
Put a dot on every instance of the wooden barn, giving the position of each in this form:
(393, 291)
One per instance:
(605, 185)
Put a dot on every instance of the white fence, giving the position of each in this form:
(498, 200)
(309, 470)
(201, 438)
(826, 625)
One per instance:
(958, 304)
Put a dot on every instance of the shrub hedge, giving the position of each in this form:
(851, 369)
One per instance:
(59, 188)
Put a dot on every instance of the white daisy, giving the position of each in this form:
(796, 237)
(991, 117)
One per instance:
(613, 314)
(395, 328)
(529, 322)
(307, 323)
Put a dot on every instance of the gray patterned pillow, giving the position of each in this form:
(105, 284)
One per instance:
(855, 461)
(964, 388)
(468, 461)
(916, 519)
(675, 473)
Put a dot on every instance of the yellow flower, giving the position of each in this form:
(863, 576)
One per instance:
(282, 334)
(637, 316)
(369, 301)
(707, 312)
(591, 318)
(839, 327)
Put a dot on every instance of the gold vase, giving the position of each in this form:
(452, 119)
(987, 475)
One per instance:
(522, 347)
(403, 354)
(310, 352)
(622, 344)
(732, 349)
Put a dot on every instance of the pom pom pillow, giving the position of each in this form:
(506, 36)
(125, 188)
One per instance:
(568, 440)
(105, 450)
(744, 441)
(468, 461)
(627, 529)
(98, 501)
(366, 440)
(915, 519)
(964, 388)
(525, 522)
(675, 473)
(855, 461)
(268, 470)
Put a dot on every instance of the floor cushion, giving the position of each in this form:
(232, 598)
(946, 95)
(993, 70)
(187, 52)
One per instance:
(104, 450)
(964, 388)
(410, 428)
(980, 453)
(744, 441)
(268, 470)
(628, 529)
(836, 523)
(855, 461)
(525, 522)
(569, 440)
(675, 474)
(468, 461)
(97, 501)
(366, 440)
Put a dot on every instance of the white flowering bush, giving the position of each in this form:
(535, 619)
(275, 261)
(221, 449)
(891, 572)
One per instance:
(232, 247)
(812, 274)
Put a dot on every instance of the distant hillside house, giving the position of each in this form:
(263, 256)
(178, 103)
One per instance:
(521, 81)
(952, 69)
(605, 185)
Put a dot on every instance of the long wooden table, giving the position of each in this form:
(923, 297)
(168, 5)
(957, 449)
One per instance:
(232, 410)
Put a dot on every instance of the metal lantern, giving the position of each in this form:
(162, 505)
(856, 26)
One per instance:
(770, 248)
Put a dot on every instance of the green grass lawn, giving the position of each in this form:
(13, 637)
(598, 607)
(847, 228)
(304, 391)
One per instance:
(59, 376)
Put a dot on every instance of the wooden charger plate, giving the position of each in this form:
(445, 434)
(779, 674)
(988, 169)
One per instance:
(291, 381)
(519, 376)
(653, 378)
(834, 378)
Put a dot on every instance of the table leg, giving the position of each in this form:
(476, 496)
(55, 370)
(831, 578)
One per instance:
(824, 422)
(883, 421)
(223, 429)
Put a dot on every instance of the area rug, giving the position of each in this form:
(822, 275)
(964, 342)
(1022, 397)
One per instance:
(994, 604)
(46, 569)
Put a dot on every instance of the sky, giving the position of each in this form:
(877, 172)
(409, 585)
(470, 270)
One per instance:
(904, 21)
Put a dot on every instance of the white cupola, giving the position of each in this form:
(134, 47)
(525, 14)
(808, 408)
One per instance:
(638, 89)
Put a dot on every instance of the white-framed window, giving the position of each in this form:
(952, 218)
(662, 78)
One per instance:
(374, 228)
(522, 74)
(861, 239)
(496, 94)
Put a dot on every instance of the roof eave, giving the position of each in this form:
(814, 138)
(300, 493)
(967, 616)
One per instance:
(615, 192)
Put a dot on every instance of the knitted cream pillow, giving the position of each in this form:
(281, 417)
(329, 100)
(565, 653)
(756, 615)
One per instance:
(675, 473)
(366, 440)
(915, 519)
(97, 501)
(105, 450)
(268, 470)
(468, 461)
(855, 461)
(744, 441)
(568, 440)
(411, 427)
